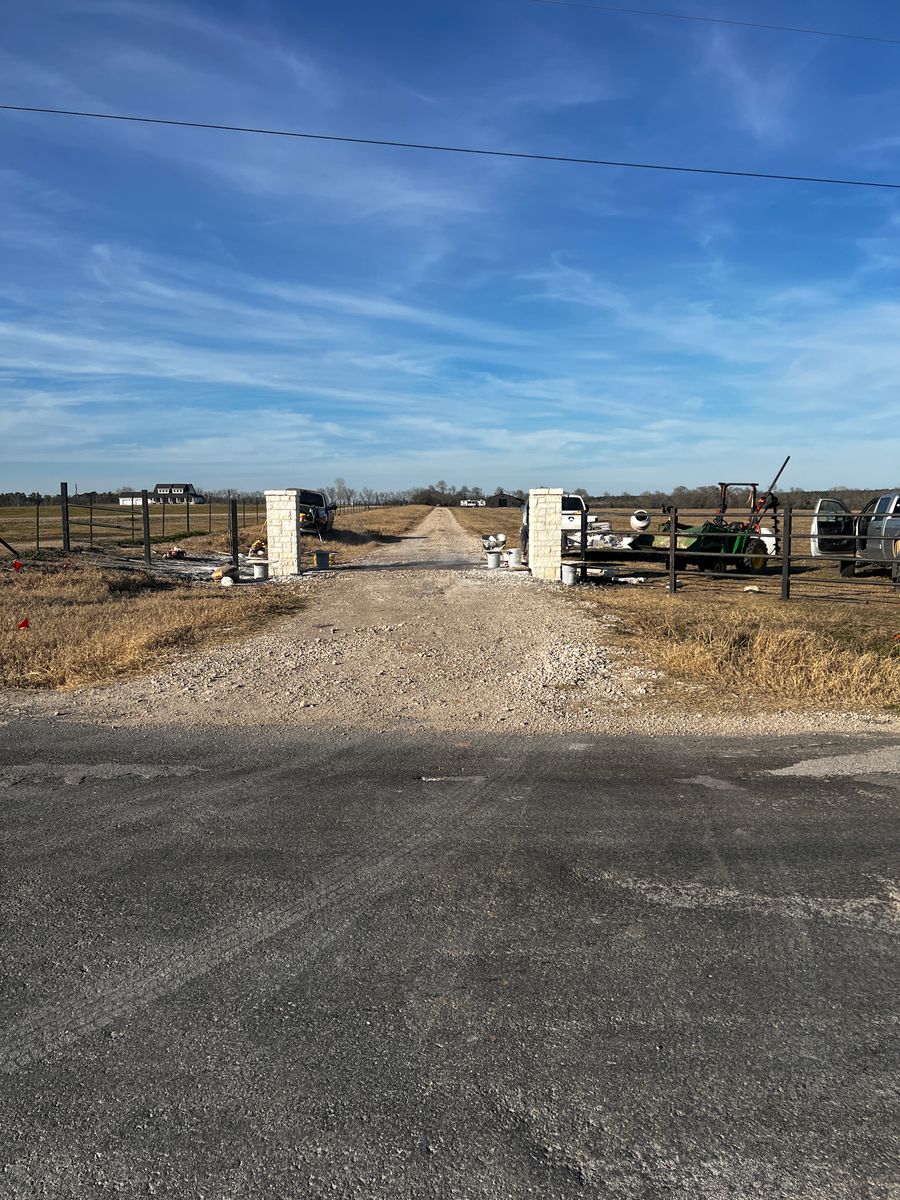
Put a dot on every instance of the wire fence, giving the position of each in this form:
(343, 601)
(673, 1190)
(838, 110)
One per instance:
(78, 520)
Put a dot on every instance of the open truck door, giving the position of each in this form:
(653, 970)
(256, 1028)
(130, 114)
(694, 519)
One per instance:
(831, 534)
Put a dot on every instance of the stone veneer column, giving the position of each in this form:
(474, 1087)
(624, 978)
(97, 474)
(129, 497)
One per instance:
(283, 531)
(545, 532)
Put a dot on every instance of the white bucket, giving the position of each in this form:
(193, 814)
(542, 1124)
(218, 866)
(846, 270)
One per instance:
(568, 574)
(514, 557)
(493, 559)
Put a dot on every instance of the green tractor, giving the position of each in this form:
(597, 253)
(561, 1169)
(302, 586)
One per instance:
(719, 543)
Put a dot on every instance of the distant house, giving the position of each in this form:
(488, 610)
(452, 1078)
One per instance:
(176, 493)
(130, 498)
(504, 500)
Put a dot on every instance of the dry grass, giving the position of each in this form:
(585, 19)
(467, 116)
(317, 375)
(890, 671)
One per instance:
(491, 520)
(354, 533)
(88, 625)
(747, 646)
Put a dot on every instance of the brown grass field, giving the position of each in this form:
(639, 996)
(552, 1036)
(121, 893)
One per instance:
(491, 520)
(354, 535)
(739, 647)
(89, 624)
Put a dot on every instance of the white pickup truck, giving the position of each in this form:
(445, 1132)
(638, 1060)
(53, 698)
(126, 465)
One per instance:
(872, 538)
(570, 522)
(572, 508)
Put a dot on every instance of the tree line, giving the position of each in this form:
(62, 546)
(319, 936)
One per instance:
(703, 497)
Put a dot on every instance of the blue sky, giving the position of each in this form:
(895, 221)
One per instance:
(254, 312)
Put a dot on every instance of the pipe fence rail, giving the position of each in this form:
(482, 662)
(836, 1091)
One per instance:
(862, 565)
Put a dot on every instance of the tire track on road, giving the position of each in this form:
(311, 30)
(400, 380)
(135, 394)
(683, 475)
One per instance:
(54, 1027)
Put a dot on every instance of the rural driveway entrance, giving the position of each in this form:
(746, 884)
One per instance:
(419, 634)
(437, 542)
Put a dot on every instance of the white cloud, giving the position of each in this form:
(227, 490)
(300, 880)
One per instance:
(760, 90)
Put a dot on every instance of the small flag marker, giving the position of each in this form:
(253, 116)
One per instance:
(26, 624)
(17, 566)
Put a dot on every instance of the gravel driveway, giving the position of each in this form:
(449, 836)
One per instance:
(420, 634)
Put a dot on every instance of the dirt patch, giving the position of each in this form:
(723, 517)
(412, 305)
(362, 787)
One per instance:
(418, 634)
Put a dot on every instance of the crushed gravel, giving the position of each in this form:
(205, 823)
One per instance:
(418, 634)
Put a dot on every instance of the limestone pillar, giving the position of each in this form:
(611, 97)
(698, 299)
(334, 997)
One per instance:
(545, 532)
(283, 531)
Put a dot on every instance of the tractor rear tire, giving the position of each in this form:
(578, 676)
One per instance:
(756, 560)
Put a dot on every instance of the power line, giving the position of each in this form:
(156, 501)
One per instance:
(674, 16)
(477, 151)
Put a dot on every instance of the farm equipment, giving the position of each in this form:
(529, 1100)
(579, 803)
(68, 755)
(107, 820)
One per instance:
(711, 545)
(719, 543)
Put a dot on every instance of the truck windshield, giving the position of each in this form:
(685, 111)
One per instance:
(314, 499)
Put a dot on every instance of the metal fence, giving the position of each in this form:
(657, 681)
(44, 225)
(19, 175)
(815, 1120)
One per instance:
(845, 569)
(79, 520)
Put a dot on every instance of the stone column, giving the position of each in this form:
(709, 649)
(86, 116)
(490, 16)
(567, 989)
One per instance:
(545, 532)
(283, 531)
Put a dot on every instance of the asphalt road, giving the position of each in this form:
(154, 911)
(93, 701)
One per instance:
(243, 965)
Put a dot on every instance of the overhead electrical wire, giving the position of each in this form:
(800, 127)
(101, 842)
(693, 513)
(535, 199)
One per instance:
(676, 16)
(442, 149)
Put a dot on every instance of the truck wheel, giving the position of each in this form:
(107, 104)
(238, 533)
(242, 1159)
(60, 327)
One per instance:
(847, 568)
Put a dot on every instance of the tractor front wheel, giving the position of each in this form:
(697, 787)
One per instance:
(756, 560)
